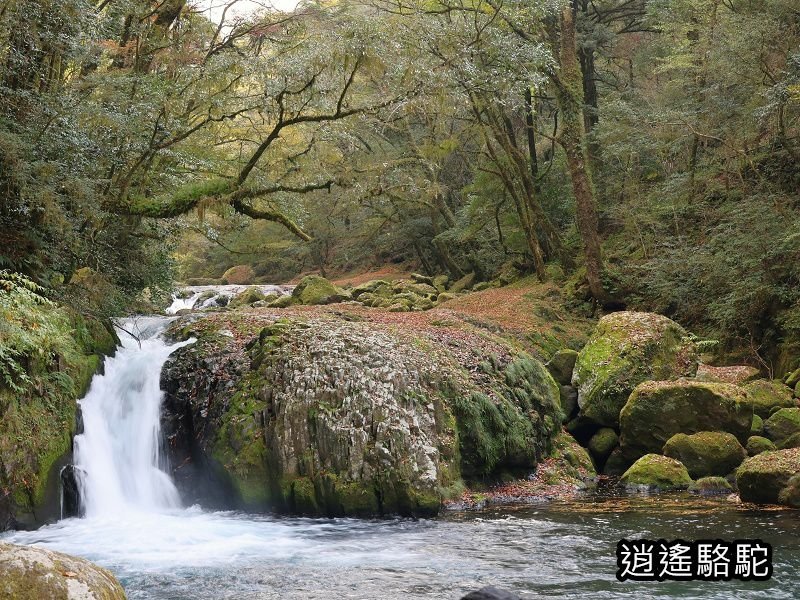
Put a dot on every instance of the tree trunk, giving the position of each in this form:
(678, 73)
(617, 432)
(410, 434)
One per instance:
(569, 94)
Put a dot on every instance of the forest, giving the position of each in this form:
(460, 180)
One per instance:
(641, 154)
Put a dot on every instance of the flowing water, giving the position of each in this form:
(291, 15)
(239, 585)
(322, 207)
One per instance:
(198, 297)
(134, 525)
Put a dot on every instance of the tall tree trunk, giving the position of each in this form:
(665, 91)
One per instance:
(569, 94)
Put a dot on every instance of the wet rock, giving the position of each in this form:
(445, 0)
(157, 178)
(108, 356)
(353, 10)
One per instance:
(706, 453)
(657, 410)
(27, 572)
(70, 494)
(626, 349)
(763, 478)
(490, 593)
(657, 473)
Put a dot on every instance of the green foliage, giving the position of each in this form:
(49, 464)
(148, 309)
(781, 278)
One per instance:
(33, 330)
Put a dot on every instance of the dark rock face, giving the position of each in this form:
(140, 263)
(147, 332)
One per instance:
(70, 492)
(490, 593)
(197, 390)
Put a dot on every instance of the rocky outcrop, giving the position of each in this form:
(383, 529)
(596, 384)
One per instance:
(656, 473)
(29, 573)
(626, 349)
(706, 453)
(328, 416)
(765, 478)
(657, 410)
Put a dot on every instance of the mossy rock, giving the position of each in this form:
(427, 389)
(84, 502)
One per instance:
(247, 297)
(462, 284)
(617, 463)
(783, 423)
(757, 425)
(281, 302)
(657, 410)
(766, 395)
(399, 307)
(757, 444)
(706, 453)
(793, 441)
(315, 290)
(440, 283)
(239, 275)
(444, 297)
(573, 464)
(711, 486)
(656, 472)
(603, 443)
(762, 478)
(793, 378)
(569, 401)
(790, 495)
(561, 365)
(31, 573)
(626, 349)
(376, 287)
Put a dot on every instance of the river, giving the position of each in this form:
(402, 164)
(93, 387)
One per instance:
(134, 525)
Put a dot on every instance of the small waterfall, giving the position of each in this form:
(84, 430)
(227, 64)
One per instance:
(117, 457)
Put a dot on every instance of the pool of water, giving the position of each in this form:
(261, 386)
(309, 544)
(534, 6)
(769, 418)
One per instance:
(554, 550)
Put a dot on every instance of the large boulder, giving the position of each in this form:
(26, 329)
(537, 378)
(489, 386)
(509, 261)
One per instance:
(30, 573)
(657, 410)
(326, 416)
(656, 472)
(766, 395)
(626, 349)
(757, 444)
(763, 478)
(782, 425)
(247, 297)
(602, 444)
(239, 275)
(314, 289)
(737, 374)
(706, 453)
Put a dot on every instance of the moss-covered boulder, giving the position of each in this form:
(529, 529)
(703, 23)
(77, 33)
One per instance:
(329, 416)
(562, 365)
(626, 349)
(602, 444)
(792, 378)
(239, 275)
(764, 477)
(757, 444)
(617, 463)
(314, 289)
(462, 284)
(793, 441)
(783, 423)
(249, 296)
(790, 495)
(376, 287)
(656, 472)
(281, 302)
(657, 410)
(757, 425)
(30, 573)
(706, 453)
(765, 395)
(711, 486)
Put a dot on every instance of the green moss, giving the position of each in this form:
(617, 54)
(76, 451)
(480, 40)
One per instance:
(314, 289)
(782, 424)
(180, 202)
(246, 297)
(757, 444)
(709, 486)
(706, 453)
(766, 395)
(603, 443)
(757, 426)
(762, 478)
(657, 472)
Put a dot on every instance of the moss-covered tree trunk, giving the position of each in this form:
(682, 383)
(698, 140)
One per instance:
(568, 83)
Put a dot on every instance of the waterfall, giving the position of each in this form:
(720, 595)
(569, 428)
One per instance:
(117, 457)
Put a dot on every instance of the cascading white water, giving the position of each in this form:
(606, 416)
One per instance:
(117, 457)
